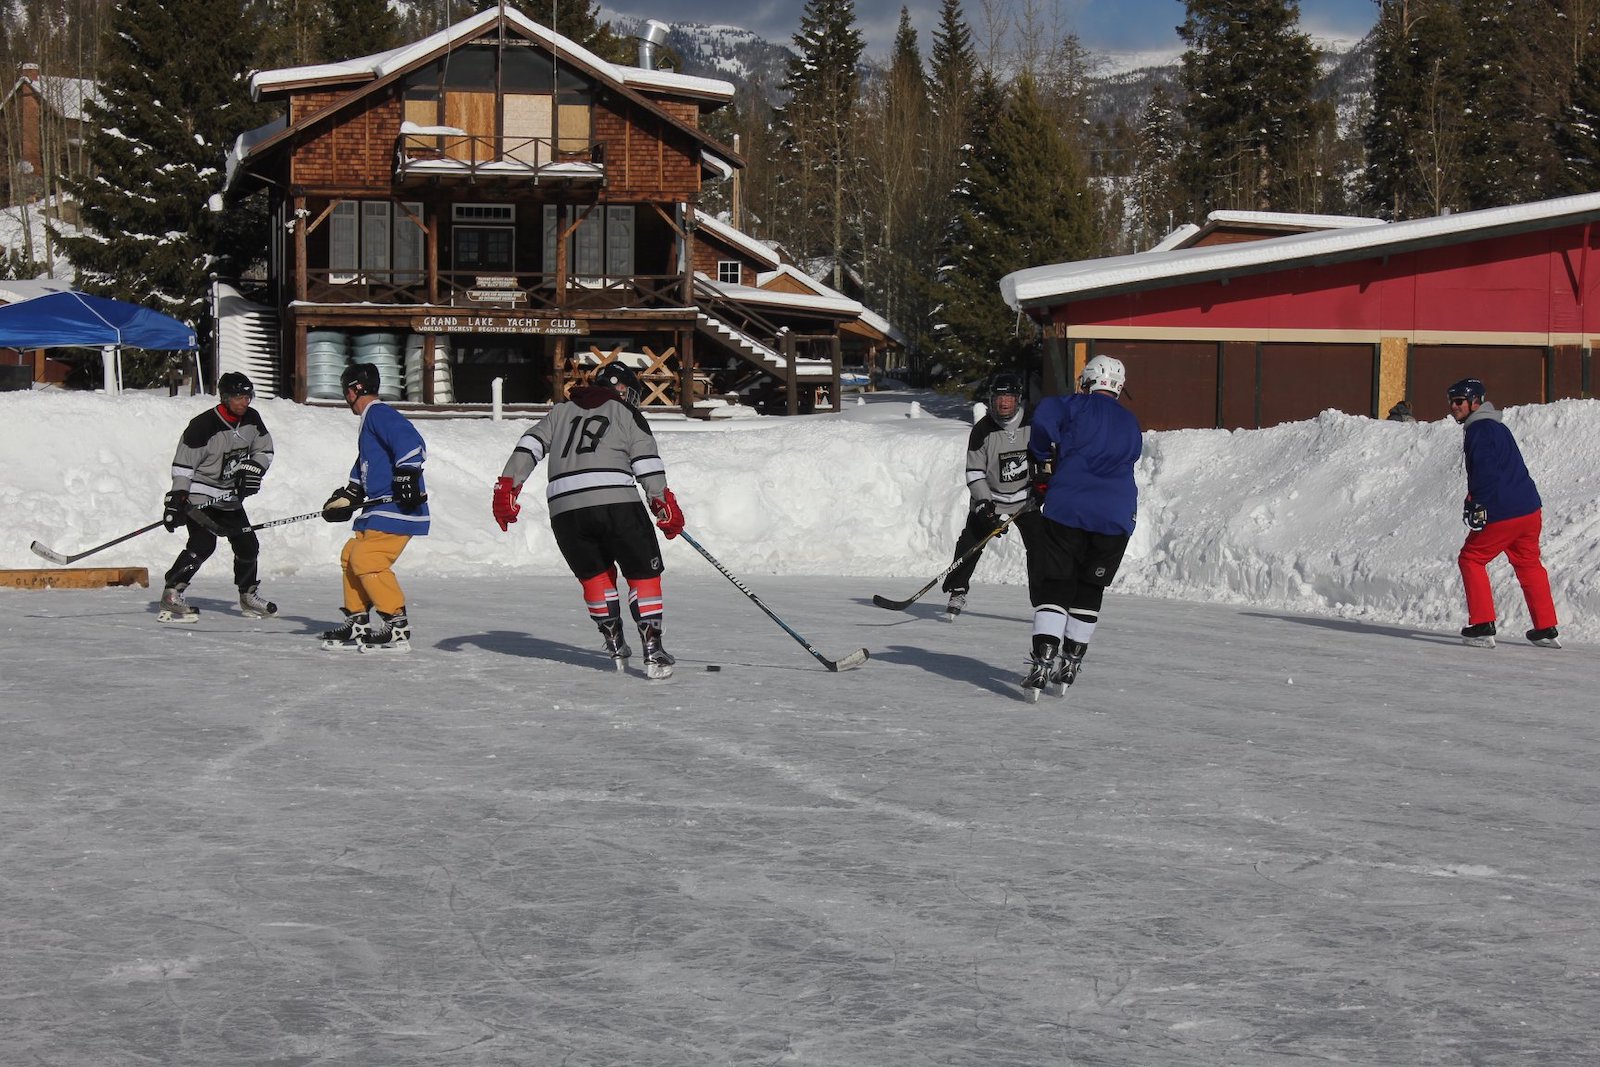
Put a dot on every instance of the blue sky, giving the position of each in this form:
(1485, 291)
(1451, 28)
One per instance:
(1102, 25)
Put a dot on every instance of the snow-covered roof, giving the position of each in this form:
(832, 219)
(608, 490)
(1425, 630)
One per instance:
(829, 301)
(67, 97)
(246, 142)
(737, 238)
(1044, 285)
(1289, 220)
(381, 64)
(16, 290)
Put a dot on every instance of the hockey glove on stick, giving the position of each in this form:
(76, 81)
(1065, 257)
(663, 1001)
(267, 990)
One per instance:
(174, 508)
(407, 485)
(343, 503)
(669, 516)
(506, 508)
(247, 478)
(987, 514)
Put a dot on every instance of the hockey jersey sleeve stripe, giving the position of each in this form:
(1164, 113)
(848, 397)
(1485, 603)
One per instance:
(532, 446)
(976, 475)
(646, 465)
(414, 458)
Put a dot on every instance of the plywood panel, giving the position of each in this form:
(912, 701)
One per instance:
(473, 112)
(527, 118)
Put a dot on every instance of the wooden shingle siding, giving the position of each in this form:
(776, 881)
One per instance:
(643, 160)
(356, 153)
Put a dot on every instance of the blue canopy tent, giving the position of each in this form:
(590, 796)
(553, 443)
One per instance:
(78, 320)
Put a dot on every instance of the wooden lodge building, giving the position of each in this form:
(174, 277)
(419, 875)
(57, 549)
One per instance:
(1259, 318)
(494, 202)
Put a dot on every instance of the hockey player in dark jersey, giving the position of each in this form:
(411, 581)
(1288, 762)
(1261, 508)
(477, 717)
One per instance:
(600, 451)
(221, 458)
(997, 479)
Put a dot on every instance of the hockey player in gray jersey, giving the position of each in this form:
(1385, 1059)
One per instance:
(997, 479)
(600, 450)
(221, 459)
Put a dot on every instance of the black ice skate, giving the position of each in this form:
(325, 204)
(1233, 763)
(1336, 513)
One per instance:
(657, 661)
(1072, 654)
(346, 637)
(388, 633)
(176, 609)
(616, 645)
(1479, 635)
(1041, 667)
(255, 606)
(1545, 638)
(958, 601)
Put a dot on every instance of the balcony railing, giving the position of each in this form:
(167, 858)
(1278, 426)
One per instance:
(435, 154)
(515, 289)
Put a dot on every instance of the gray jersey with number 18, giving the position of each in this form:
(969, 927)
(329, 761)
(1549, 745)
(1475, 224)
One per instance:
(599, 449)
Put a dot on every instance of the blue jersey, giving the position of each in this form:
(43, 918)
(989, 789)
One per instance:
(1094, 442)
(387, 440)
(1497, 477)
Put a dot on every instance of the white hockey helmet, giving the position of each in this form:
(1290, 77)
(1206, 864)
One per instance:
(1103, 372)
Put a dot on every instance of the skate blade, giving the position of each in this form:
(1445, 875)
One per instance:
(167, 616)
(1030, 695)
(949, 616)
(1549, 642)
(657, 671)
(330, 645)
(392, 648)
(1478, 642)
(620, 663)
(258, 614)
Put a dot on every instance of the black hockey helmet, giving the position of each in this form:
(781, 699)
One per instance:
(1467, 389)
(235, 384)
(619, 375)
(363, 377)
(1005, 384)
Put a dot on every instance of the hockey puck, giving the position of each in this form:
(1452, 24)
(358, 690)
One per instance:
(713, 667)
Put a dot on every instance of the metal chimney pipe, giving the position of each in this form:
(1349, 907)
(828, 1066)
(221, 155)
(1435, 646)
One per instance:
(655, 34)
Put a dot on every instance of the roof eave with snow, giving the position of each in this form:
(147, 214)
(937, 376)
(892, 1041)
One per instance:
(737, 239)
(1044, 286)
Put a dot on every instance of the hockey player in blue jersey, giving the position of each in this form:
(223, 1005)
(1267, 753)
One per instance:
(389, 458)
(1083, 448)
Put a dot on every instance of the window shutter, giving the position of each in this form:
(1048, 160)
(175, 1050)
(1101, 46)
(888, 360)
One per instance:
(343, 226)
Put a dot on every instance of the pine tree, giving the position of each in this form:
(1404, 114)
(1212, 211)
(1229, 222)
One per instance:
(158, 142)
(1577, 133)
(899, 260)
(576, 20)
(823, 165)
(1248, 75)
(1515, 82)
(1027, 203)
(1415, 134)
(1153, 200)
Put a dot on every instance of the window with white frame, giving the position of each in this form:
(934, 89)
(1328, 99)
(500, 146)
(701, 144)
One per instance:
(728, 271)
(376, 242)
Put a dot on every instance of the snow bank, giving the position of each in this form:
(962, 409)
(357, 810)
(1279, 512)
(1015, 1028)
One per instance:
(1339, 515)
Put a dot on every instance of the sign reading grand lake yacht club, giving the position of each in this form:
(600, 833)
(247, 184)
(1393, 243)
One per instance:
(508, 323)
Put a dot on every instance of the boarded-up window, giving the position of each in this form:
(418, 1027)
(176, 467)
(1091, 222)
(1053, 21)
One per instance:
(527, 129)
(474, 113)
(574, 128)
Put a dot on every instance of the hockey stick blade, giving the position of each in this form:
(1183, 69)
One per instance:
(50, 554)
(893, 605)
(901, 605)
(850, 662)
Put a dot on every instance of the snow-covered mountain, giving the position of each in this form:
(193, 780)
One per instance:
(727, 52)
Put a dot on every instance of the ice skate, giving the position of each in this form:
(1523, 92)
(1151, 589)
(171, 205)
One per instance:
(1545, 638)
(1479, 635)
(616, 645)
(255, 606)
(346, 637)
(1041, 667)
(657, 661)
(1072, 654)
(176, 609)
(390, 633)
(958, 601)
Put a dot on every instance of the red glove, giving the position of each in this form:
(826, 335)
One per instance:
(506, 507)
(669, 516)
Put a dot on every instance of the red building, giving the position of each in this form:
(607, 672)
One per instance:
(1261, 329)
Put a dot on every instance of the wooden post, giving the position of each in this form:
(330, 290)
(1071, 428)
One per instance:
(791, 376)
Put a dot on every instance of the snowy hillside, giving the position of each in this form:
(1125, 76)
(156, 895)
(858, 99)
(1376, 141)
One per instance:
(1339, 516)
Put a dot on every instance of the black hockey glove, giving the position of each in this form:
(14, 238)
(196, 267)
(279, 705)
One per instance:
(1475, 515)
(986, 514)
(343, 503)
(407, 484)
(174, 509)
(247, 478)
